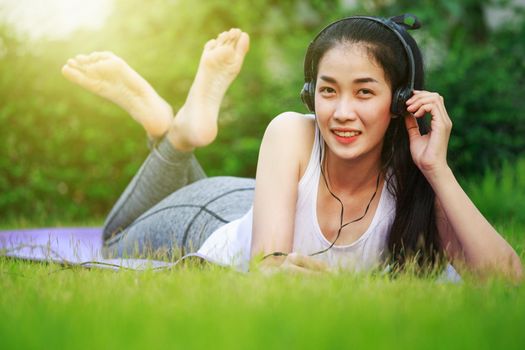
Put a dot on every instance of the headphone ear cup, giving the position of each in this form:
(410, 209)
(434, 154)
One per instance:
(399, 99)
(308, 96)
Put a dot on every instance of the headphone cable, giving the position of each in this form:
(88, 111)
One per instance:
(341, 225)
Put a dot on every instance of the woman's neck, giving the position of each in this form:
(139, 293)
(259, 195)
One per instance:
(351, 176)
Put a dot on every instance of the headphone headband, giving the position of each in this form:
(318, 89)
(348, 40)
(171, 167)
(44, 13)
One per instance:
(396, 25)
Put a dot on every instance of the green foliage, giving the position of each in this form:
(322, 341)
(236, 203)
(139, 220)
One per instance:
(486, 103)
(500, 195)
(65, 153)
(478, 70)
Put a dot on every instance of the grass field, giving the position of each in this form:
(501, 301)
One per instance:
(47, 307)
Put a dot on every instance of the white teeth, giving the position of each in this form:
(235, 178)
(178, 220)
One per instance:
(346, 133)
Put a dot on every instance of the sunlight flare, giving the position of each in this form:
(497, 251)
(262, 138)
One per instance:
(54, 18)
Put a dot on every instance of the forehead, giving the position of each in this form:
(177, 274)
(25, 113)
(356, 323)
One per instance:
(350, 60)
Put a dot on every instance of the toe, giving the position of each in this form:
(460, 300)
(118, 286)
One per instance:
(93, 57)
(98, 56)
(73, 63)
(105, 55)
(235, 32)
(243, 43)
(221, 39)
(72, 74)
(82, 59)
(210, 44)
(234, 35)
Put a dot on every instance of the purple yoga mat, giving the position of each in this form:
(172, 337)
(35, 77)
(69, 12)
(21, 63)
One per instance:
(82, 246)
(72, 245)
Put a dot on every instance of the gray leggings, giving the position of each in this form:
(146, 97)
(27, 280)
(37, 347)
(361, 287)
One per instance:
(170, 208)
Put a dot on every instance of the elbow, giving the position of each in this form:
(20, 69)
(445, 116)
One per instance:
(510, 268)
(507, 266)
(516, 269)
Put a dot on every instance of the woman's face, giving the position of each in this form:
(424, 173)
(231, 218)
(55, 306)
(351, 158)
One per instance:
(352, 102)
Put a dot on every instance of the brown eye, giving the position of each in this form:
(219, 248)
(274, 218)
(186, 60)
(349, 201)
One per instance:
(327, 90)
(365, 92)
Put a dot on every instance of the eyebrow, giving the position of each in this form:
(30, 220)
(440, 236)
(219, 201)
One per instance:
(357, 81)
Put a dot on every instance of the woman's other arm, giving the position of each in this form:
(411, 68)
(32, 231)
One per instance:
(468, 238)
(281, 160)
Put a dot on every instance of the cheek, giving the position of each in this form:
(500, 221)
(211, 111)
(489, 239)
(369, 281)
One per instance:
(323, 109)
(378, 109)
(322, 105)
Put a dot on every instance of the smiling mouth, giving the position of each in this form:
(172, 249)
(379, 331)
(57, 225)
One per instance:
(346, 133)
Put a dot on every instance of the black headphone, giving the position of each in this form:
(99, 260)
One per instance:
(398, 26)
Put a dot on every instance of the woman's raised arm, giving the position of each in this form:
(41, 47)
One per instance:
(468, 238)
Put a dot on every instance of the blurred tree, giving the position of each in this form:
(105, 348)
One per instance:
(65, 153)
(479, 70)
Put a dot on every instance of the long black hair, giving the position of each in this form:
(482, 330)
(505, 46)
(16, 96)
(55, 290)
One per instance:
(413, 235)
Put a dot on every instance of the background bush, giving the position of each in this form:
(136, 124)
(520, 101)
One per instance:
(67, 154)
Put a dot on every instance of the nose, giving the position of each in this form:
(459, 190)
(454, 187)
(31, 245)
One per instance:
(345, 110)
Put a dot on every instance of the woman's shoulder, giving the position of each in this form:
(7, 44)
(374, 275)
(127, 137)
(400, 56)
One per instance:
(294, 128)
(293, 119)
(296, 132)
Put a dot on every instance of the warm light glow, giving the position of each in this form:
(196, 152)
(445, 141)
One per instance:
(54, 18)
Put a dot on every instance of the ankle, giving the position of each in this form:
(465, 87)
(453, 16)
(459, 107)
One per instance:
(176, 136)
(186, 135)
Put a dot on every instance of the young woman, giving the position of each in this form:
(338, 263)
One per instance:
(356, 185)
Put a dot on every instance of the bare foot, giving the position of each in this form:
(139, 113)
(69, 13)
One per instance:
(108, 76)
(195, 125)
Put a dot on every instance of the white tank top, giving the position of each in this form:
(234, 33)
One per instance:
(230, 244)
(363, 254)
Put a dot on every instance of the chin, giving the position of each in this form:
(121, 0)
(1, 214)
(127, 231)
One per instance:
(345, 154)
(354, 152)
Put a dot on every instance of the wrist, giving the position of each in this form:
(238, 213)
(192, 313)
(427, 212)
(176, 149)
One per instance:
(439, 177)
(271, 262)
(436, 173)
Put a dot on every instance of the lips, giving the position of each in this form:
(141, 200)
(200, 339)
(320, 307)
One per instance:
(346, 136)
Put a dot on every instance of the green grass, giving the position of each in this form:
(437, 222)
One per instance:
(46, 306)
(42, 306)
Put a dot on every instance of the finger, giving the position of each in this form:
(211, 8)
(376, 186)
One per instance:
(416, 102)
(426, 97)
(422, 110)
(288, 266)
(417, 94)
(432, 103)
(307, 262)
(431, 108)
(445, 115)
(440, 129)
(412, 127)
